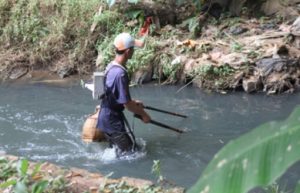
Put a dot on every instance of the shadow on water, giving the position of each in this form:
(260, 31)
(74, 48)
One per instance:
(44, 123)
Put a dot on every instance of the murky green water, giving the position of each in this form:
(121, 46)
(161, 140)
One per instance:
(44, 123)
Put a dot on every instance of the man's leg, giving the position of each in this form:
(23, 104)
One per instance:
(122, 141)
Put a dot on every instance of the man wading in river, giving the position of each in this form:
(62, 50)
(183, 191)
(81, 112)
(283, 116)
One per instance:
(111, 120)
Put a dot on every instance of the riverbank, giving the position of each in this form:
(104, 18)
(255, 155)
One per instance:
(47, 78)
(49, 177)
(248, 52)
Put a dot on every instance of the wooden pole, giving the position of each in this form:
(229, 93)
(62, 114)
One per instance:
(164, 111)
(161, 124)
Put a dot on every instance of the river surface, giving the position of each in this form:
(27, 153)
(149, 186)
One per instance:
(43, 123)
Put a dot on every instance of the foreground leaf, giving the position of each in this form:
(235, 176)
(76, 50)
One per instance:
(39, 187)
(20, 188)
(37, 169)
(298, 188)
(255, 159)
(8, 183)
(22, 167)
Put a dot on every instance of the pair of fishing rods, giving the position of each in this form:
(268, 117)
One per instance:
(162, 124)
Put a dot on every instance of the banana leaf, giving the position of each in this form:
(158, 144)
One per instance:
(255, 159)
(297, 190)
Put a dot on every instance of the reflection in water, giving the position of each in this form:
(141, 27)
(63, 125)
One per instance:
(44, 124)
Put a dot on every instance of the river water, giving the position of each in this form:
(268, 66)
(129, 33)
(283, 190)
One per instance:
(43, 123)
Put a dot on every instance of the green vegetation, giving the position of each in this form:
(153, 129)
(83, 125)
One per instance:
(49, 32)
(66, 33)
(75, 37)
(236, 47)
(122, 187)
(168, 69)
(21, 177)
(24, 180)
(211, 70)
(255, 159)
(156, 169)
(214, 77)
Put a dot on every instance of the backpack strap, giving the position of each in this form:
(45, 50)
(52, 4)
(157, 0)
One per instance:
(108, 68)
(129, 132)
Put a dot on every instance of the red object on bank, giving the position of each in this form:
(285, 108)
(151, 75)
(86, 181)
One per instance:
(146, 27)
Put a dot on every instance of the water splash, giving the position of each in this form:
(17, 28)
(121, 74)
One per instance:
(110, 156)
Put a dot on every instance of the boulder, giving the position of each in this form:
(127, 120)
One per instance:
(252, 84)
(18, 72)
(287, 9)
(268, 65)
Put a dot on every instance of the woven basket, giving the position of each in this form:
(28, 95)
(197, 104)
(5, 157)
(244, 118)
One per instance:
(89, 131)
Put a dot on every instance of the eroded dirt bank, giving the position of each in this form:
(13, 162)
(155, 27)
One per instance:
(78, 180)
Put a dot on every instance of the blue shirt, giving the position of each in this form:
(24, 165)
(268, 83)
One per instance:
(111, 116)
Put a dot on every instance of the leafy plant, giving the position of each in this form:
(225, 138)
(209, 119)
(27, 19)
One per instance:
(208, 70)
(167, 69)
(192, 23)
(22, 179)
(157, 170)
(123, 187)
(111, 25)
(6, 169)
(25, 24)
(107, 21)
(254, 159)
(22, 183)
(140, 59)
(5, 7)
(236, 47)
(253, 54)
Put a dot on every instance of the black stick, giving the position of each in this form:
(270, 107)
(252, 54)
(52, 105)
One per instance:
(163, 111)
(161, 124)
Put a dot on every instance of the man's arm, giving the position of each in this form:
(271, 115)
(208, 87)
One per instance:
(137, 108)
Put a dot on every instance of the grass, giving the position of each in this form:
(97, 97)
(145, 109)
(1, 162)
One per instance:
(57, 33)
(50, 31)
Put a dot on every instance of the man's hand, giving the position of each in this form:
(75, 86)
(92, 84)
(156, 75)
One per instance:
(146, 118)
(139, 103)
(137, 107)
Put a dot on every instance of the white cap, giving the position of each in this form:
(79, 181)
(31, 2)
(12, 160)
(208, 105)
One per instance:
(124, 41)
